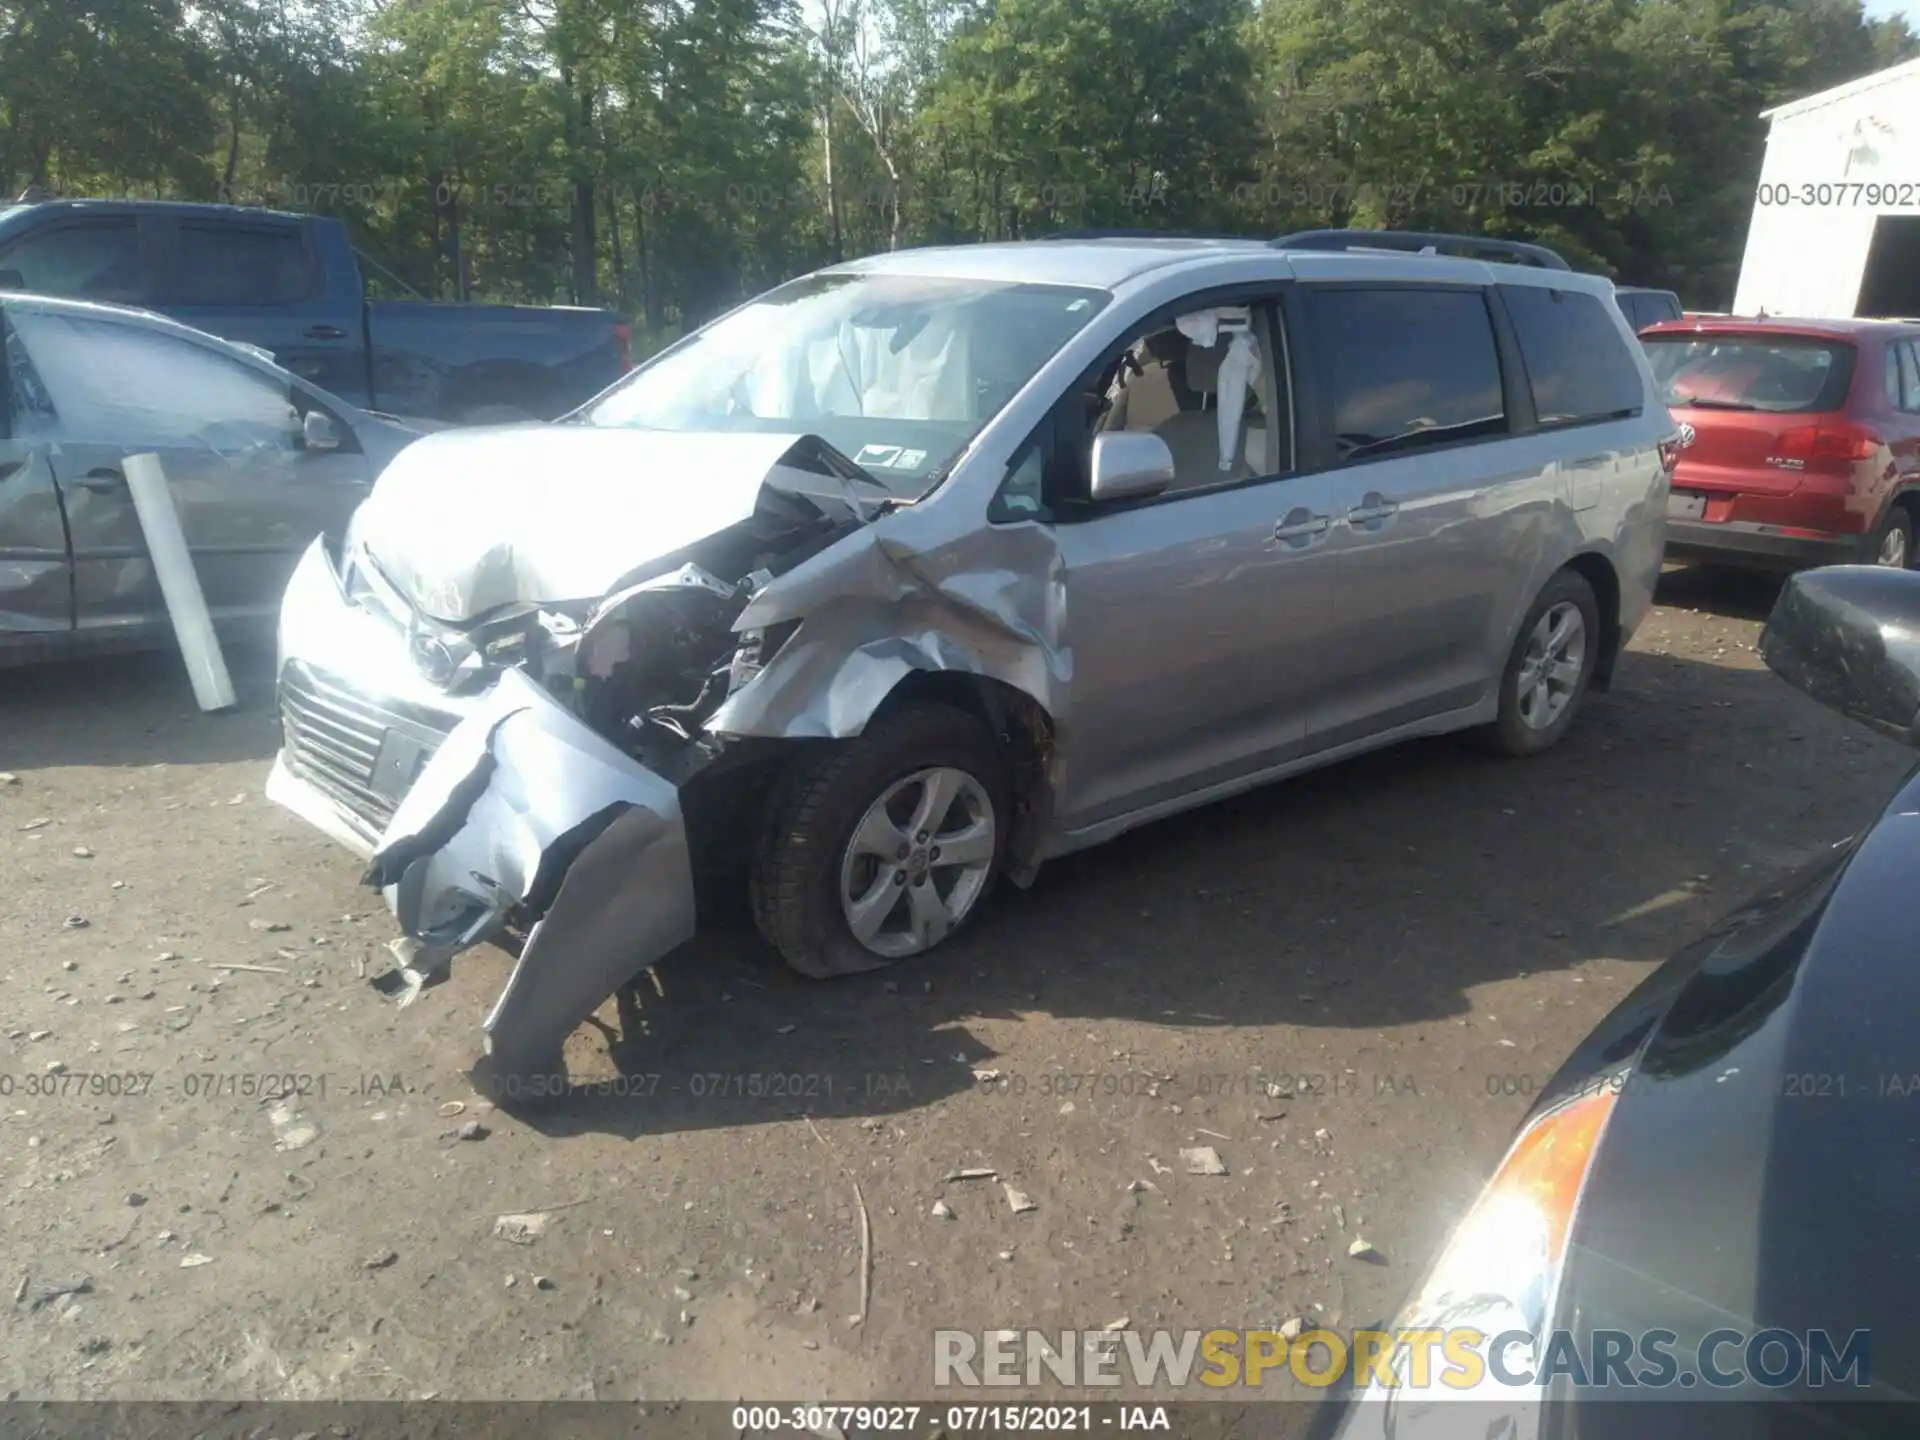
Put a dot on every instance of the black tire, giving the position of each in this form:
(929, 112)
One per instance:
(1511, 734)
(795, 880)
(1898, 522)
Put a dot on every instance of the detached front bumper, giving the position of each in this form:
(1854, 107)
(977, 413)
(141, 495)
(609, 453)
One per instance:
(519, 813)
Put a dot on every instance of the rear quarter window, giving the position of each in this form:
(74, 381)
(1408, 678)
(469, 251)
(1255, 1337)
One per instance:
(1578, 365)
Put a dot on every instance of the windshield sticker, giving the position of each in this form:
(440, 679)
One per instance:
(878, 457)
(910, 460)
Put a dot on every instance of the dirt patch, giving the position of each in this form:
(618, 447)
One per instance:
(1345, 987)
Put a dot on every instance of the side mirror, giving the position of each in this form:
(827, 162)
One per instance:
(1849, 635)
(1129, 465)
(318, 431)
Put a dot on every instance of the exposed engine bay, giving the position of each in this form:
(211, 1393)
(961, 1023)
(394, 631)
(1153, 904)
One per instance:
(648, 665)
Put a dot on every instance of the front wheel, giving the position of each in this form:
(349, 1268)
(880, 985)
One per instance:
(1547, 672)
(882, 847)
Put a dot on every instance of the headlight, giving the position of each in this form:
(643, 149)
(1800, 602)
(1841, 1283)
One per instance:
(1489, 1299)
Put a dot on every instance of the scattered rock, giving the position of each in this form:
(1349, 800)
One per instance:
(522, 1229)
(1360, 1249)
(95, 1346)
(974, 1173)
(1113, 1325)
(686, 1317)
(542, 1282)
(7, 777)
(473, 1130)
(512, 1281)
(38, 824)
(941, 1210)
(195, 1261)
(1323, 1135)
(806, 1306)
(56, 1067)
(681, 1293)
(1136, 1187)
(69, 965)
(1019, 1201)
(1203, 1160)
(75, 922)
(81, 852)
(986, 1076)
(379, 1260)
(268, 927)
(136, 1199)
(1006, 1254)
(1293, 1329)
(38, 1034)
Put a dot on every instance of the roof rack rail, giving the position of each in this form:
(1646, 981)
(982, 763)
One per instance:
(1099, 233)
(1423, 242)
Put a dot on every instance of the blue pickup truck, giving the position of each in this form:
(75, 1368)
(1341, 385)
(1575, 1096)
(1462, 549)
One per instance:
(292, 285)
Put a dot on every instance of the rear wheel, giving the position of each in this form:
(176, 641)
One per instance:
(1892, 543)
(879, 849)
(1548, 670)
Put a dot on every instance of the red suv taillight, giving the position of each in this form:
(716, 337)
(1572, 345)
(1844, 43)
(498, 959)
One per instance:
(624, 334)
(1825, 446)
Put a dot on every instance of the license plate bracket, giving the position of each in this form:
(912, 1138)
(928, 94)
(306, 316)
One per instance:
(402, 756)
(1683, 505)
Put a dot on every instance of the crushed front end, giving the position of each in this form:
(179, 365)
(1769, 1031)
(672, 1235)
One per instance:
(517, 774)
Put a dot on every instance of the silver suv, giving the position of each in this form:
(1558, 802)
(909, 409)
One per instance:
(939, 564)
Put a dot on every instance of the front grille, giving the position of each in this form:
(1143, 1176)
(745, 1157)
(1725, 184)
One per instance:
(362, 753)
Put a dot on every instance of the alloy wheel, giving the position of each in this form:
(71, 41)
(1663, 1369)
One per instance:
(1551, 667)
(917, 862)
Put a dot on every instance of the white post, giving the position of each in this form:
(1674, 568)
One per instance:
(173, 563)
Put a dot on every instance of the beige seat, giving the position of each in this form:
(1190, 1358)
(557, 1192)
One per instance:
(1193, 433)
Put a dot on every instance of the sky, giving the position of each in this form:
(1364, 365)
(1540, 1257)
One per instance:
(1908, 8)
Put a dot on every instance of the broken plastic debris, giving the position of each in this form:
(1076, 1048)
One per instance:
(941, 1210)
(522, 1229)
(1203, 1160)
(195, 1261)
(1019, 1201)
(974, 1172)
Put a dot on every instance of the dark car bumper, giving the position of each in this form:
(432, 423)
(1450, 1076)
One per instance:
(1769, 546)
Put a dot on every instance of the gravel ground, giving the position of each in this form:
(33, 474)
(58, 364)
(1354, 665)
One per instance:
(1346, 986)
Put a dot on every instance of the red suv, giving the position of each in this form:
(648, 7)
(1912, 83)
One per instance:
(1800, 439)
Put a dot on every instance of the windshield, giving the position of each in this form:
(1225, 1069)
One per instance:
(1750, 372)
(899, 372)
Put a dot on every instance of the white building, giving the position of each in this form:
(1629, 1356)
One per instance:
(1836, 214)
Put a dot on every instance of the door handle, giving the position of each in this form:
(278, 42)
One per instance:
(1301, 524)
(1370, 514)
(104, 479)
(325, 332)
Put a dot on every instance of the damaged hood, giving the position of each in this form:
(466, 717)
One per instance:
(466, 521)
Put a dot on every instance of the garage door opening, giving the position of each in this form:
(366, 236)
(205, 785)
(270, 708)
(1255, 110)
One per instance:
(1891, 285)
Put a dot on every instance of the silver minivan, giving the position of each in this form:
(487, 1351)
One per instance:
(930, 567)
